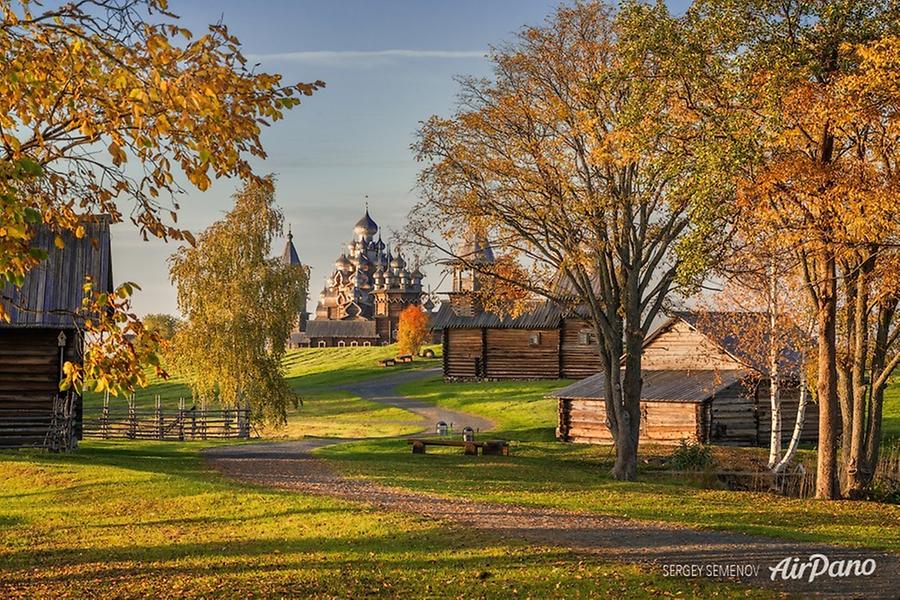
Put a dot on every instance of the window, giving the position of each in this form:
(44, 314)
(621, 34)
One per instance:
(321, 343)
(367, 343)
(586, 337)
(354, 344)
(341, 344)
(534, 339)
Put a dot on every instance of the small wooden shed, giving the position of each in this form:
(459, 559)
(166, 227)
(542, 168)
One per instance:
(43, 332)
(545, 342)
(697, 386)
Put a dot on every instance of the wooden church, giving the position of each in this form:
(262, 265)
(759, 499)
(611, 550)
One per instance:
(698, 385)
(363, 296)
(43, 331)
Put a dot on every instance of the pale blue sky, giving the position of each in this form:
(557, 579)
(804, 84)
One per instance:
(388, 64)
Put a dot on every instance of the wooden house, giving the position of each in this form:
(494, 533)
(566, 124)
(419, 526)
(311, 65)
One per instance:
(543, 343)
(43, 333)
(698, 385)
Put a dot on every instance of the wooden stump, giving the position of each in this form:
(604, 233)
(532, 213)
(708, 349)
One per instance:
(471, 449)
(418, 447)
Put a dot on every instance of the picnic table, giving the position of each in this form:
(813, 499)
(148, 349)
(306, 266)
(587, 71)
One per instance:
(487, 447)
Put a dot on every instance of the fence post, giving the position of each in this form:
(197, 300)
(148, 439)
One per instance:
(159, 418)
(203, 421)
(227, 428)
(132, 419)
(194, 421)
(244, 431)
(181, 419)
(104, 417)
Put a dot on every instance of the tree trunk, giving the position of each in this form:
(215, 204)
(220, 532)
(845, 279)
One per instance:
(774, 374)
(791, 450)
(827, 464)
(629, 430)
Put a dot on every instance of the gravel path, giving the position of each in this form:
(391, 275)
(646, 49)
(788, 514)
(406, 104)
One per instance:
(700, 553)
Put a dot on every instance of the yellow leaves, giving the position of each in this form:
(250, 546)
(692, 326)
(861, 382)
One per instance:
(58, 242)
(139, 95)
(12, 141)
(117, 154)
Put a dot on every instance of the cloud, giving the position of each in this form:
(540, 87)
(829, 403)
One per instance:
(366, 56)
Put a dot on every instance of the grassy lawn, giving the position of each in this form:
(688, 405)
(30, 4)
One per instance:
(546, 473)
(144, 519)
(891, 414)
(313, 374)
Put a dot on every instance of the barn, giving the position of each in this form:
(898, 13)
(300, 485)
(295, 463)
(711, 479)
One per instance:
(698, 385)
(545, 342)
(42, 333)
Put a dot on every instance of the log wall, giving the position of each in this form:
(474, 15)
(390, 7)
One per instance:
(578, 360)
(29, 382)
(584, 421)
(683, 348)
(510, 354)
(463, 353)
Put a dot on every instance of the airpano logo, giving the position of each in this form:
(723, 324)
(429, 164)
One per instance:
(819, 565)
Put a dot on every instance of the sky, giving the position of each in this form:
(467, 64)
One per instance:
(387, 64)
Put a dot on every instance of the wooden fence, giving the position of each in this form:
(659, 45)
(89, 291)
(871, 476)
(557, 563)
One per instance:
(169, 425)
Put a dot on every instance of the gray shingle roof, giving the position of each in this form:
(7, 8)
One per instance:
(350, 329)
(53, 290)
(543, 315)
(659, 386)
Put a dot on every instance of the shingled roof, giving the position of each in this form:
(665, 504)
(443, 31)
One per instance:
(53, 290)
(542, 315)
(659, 386)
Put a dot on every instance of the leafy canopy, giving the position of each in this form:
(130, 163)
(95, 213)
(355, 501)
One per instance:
(239, 307)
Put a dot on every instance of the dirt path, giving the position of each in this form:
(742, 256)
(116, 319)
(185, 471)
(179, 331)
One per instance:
(291, 465)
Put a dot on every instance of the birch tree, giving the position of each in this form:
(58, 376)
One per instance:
(239, 306)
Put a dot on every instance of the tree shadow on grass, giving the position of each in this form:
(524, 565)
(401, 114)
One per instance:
(415, 550)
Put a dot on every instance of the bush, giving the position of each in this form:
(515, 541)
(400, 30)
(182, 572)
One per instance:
(691, 456)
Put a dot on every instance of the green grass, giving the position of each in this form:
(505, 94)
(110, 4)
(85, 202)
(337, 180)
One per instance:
(149, 520)
(891, 414)
(542, 472)
(342, 415)
(313, 373)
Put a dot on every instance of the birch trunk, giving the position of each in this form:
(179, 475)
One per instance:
(791, 450)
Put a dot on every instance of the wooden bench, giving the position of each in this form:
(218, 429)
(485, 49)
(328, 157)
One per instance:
(488, 447)
(405, 358)
(387, 362)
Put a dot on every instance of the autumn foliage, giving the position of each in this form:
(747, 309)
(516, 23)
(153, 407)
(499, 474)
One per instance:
(412, 331)
(105, 106)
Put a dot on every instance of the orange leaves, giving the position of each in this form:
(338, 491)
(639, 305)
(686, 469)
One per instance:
(412, 330)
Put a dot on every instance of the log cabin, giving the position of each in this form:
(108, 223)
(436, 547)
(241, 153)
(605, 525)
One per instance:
(545, 342)
(699, 384)
(43, 331)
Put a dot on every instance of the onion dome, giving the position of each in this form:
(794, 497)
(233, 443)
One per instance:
(428, 305)
(342, 264)
(365, 227)
(416, 274)
(398, 263)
